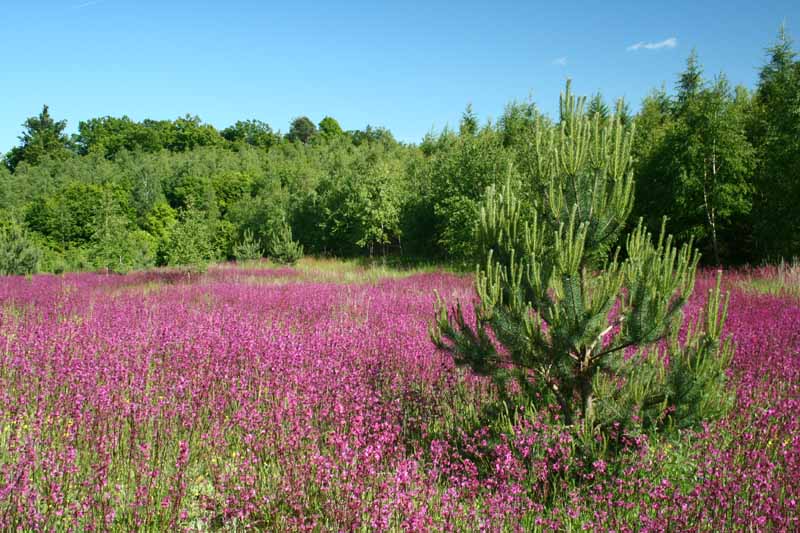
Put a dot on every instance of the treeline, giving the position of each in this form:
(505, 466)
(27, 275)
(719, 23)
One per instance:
(721, 162)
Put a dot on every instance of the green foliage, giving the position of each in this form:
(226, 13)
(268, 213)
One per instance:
(653, 158)
(190, 243)
(690, 82)
(695, 162)
(469, 122)
(109, 136)
(126, 250)
(223, 238)
(186, 133)
(252, 132)
(775, 130)
(229, 188)
(158, 223)
(143, 176)
(187, 189)
(517, 123)
(19, 254)
(114, 246)
(259, 215)
(67, 218)
(719, 163)
(248, 248)
(282, 248)
(302, 130)
(330, 128)
(551, 327)
(7, 196)
(372, 135)
(374, 203)
(459, 170)
(457, 215)
(598, 107)
(42, 136)
(77, 258)
(714, 160)
(358, 205)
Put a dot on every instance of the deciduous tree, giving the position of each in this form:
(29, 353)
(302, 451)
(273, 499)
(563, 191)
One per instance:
(302, 130)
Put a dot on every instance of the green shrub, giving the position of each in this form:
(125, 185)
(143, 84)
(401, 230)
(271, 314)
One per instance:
(190, 242)
(18, 253)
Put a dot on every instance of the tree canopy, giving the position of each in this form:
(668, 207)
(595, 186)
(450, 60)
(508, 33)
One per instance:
(42, 136)
(719, 161)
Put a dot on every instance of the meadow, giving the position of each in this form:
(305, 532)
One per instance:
(312, 399)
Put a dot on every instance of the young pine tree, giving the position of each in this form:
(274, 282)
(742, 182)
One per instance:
(282, 247)
(248, 249)
(556, 316)
(18, 253)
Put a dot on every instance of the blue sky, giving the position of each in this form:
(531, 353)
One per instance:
(409, 66)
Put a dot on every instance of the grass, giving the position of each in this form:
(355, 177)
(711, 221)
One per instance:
(326, 270)
(781, 280)
(357, 270)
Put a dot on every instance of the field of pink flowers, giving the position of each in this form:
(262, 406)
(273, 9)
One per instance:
(269, 399)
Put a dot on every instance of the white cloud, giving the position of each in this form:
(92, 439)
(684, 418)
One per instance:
(672, 42)
(561, 61)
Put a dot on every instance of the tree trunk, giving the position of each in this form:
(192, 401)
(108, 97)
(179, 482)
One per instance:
(587, 394)
(711, 213)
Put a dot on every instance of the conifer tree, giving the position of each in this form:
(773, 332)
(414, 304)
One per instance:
(690, 81)
(18, 253)
(248, 249)
(556, 316)
(469, 122)
(776, 136)
(42, 136)
(598, 107)
(282, 247)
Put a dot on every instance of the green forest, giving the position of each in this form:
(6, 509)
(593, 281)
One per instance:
(720, 162)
